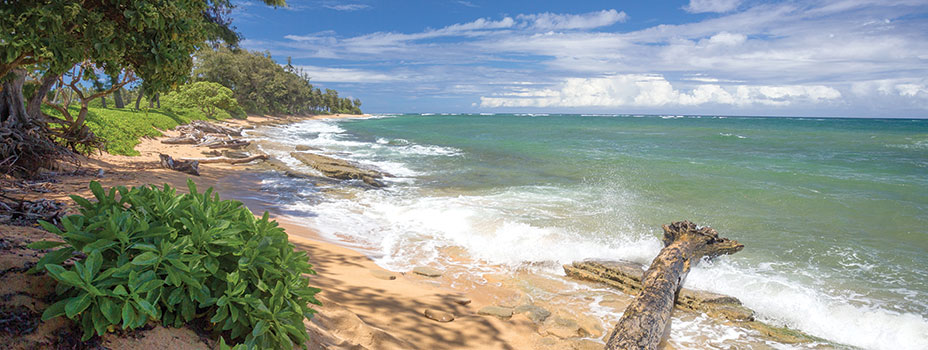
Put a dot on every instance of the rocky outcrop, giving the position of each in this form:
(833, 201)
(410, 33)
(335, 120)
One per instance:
(339, 169)
(498, 311)
(626, 276)
(426, 271)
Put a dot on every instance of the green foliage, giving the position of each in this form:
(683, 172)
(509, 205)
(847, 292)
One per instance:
(153, 254)
(207, 97)
(262, 86)
(122, 129)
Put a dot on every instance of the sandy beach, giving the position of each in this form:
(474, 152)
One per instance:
(364, 306)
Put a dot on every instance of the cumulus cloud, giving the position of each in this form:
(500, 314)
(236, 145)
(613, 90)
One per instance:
(347, 75)
(554, 21)
(720, 6)
(653, 90)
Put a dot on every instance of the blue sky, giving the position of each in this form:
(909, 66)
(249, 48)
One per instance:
(850, 58)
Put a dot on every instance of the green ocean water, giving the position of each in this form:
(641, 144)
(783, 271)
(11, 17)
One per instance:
(833, 212)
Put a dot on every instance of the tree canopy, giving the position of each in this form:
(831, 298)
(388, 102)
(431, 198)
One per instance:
(207, 97)
(149, 39)
(263, 86)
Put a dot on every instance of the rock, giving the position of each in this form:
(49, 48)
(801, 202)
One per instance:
(626, 276)
(460, 300)
(561, 331)
(439, 316)
(497, 311)
(339, 169)
(584, 344)
(304, 148)
(426, 271)
(535, 313)
(383, 274)
(590, 326)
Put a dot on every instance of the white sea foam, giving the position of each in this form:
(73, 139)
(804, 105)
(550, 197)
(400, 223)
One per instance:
(732, 135)
(523, 226)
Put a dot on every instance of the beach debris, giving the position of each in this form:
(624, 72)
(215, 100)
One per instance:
(535, 313)
(184, 166)
(383, 274)
(21, 212)
(439, 316)
(206, 134)
(460, 300)
(234, 154)
(340, 169)
(426, 271)
(498, 311)
(214, 144)
(643, 323)
(208, 128)
(226, 160)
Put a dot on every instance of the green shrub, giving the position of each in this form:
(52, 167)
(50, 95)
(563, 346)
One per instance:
(211, 99)
(122, 128)
(153, 254)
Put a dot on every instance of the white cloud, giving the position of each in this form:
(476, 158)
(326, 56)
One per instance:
(720, 6)
(554, 21)
(347, 7)
(652, 90)
(726, 38)
(347, 75)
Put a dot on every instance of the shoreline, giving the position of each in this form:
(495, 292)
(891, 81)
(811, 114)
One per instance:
(363, 307)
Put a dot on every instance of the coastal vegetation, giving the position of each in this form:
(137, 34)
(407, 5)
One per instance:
(60, 58)
(264, 87)
(154, 254)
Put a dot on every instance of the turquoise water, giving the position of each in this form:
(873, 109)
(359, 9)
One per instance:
(833, 212)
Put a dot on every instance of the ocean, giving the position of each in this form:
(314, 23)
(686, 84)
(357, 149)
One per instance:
(833, 212)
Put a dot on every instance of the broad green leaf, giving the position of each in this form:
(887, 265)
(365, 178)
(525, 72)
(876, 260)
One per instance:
(44, 245)
(77, 305)
(110, 310)
(65, 276)
(145, 259)
(55, 310)
(97, 191)
(146, 307)
(260, 328)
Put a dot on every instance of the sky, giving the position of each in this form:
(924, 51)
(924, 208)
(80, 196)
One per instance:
(842, 58)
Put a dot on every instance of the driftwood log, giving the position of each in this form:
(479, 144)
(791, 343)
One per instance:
(226, 159)
(644, 321)
(191, 167)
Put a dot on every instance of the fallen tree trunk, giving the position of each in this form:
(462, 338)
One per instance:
(227, 159)
(183, 140)
(225, 144)
(644, 321)
(184, 166)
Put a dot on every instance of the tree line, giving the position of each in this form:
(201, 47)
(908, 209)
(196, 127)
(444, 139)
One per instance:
(78, 52)
(261, 86)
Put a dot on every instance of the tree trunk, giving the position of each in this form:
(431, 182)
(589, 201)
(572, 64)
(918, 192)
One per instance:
(14, 109)
(34, 108)
(117, 98)
(139, 98)
(644, 321)
(103, 100)
(158, 100)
